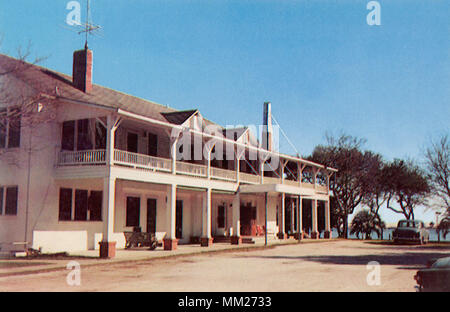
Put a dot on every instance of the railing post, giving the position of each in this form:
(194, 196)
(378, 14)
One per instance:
(208, 165)
(110, 137)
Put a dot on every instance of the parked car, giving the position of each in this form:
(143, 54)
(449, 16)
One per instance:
(413, 231)
(434, 278)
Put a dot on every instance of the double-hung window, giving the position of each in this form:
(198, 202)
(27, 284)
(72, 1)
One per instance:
(10, 126)
(8, 200)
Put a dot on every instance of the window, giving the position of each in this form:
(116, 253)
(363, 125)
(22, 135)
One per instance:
(152, 144)
(1, 201)
(10, 126)
(87, 204)
(80, 135)
(84, 141)
(68, 136)
(95, 205)
(221, 217)
(277, 212)
(132, 142)
(81, 205)
(8, 200)
(133, 211)
(14, 132)
(3, 128)
(100, 136)
(65, 204)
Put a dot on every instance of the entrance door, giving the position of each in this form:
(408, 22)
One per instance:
(248, 220)
(132, 142)
(287, 216)
(221, 214)
(133, 211)
(151, 215)
(179, 219)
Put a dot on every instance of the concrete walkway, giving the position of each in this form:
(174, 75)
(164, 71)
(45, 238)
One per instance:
(22, 266)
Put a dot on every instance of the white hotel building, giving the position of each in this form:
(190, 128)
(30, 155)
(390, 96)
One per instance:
(82, 164)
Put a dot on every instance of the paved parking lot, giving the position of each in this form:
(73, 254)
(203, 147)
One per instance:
(324, 266)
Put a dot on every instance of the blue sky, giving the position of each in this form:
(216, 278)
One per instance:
(318, 62)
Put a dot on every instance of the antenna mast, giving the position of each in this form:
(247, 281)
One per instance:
(89, 28)
(87, 24)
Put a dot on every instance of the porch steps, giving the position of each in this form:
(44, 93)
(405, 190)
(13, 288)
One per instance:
(222, 239)
(225, 239)
(248, 240)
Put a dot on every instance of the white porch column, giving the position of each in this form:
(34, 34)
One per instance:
(315, 232)
(173, 154)
(206, 239)
(283, 164)
(239, 153)
(170, 240)
(299, 218)
(109, 188)
(281, 220)
(261, 171)
(327, 233)
(292, 204)
(208, 164)
(237, 167)
(107, 245)
(236, 237)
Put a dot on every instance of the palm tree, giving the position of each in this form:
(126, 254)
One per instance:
(366, 222)
(444, 227)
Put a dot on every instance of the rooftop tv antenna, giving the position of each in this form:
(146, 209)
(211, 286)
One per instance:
(88, 27)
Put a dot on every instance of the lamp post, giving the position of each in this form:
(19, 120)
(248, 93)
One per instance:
(437, 228)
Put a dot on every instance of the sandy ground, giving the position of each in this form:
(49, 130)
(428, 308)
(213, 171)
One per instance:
(325, 266)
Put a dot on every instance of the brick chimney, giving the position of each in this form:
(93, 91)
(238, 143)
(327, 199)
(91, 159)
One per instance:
(82, 70)
(267, 127)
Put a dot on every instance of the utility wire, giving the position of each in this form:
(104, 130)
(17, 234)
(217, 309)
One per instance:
(285, 135)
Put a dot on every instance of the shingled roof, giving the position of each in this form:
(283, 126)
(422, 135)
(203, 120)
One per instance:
(48, 81)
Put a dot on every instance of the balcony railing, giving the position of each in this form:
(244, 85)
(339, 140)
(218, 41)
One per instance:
(271, 180)
(191, 169)
(223, 174)
(89, 157)
(291, 182)
(141, 161)
(249, 178)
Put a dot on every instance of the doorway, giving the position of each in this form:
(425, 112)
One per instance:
(133, 211)
(132, 142)
(151, 215)
(179, 219)
(248, 220)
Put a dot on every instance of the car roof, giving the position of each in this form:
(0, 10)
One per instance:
(442, 263)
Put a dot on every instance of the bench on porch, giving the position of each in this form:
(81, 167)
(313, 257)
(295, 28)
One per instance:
(140, 239)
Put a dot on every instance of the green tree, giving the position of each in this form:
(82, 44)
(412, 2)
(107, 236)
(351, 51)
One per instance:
(407, 185)
(349, 183)
(444, 226)
(437, 159)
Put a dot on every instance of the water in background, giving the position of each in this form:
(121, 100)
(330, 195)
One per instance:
(387, 235)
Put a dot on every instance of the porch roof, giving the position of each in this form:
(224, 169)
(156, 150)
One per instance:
(59, 86)
(281, 188)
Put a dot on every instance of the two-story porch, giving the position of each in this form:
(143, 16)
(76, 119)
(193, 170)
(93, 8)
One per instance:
(136, 166)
